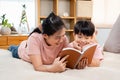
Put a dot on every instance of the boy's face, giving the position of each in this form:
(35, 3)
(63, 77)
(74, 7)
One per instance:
(82, 38)
(56, 38)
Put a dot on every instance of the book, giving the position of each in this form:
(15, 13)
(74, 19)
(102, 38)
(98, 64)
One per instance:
(76, 55)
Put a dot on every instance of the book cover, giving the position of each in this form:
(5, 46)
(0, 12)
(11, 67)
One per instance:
(76, 55)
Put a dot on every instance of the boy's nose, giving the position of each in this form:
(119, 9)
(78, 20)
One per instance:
(82, 40)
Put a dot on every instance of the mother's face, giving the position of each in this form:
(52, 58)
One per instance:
(56, 38)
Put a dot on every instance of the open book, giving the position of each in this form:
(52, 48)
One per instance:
(76, 55)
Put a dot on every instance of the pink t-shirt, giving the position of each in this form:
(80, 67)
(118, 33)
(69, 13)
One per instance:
(36, 45)
(98, 52)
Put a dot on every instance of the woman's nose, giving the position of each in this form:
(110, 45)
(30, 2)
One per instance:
(61, 39)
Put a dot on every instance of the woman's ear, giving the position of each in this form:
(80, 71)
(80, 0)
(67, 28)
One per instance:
(40, 27)
(45, 36)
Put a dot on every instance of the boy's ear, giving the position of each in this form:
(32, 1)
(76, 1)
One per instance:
(92, 36)
(74, 35)
(96, 32)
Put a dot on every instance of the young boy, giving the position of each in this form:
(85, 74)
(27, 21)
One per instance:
(84, 35)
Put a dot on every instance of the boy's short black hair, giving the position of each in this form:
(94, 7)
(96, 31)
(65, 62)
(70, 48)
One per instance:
(84, 27)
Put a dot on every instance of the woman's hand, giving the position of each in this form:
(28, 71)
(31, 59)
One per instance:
(82, 64)
(59, 65)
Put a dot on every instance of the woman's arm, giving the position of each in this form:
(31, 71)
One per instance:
(57, 66)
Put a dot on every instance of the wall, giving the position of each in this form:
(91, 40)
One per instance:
(13, 11)
(102, 35)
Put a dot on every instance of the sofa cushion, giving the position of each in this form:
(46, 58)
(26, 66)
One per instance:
(112, 44)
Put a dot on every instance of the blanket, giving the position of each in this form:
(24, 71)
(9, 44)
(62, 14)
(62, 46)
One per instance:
(17, 69)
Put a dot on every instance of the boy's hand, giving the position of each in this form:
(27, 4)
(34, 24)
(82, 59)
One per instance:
(82, 64)
(77, 46)
(81, 43)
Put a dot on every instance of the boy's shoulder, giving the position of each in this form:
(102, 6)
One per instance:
(95, 43)
(70, 44)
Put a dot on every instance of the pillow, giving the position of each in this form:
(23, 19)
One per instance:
(112, 44)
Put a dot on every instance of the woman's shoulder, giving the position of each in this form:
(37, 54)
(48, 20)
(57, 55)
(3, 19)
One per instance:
(35, 36)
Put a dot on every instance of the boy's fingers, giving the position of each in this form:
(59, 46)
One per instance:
(85, 62)
(82, 64)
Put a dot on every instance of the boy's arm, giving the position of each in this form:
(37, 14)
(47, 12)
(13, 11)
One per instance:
(98, 56)
(95, 63)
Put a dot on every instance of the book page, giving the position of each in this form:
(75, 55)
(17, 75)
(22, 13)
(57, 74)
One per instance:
(87, 47)
(72, 49)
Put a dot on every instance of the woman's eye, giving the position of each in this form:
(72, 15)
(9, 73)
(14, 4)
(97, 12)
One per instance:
(57, 37)
(86, 38)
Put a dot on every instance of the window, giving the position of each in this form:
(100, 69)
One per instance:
(13, 11)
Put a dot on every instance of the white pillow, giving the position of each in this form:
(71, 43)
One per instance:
(112, 44)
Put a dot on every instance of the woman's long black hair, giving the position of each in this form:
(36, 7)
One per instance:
(50, 25)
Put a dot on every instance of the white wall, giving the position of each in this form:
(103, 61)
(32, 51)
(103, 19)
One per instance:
(102, 35)
(13, 11)
(105, 11)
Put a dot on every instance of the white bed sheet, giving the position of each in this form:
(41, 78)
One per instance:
(16, 69)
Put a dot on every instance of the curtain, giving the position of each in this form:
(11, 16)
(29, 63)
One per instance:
(105, 12)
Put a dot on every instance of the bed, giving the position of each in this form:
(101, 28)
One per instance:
(16, 69)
